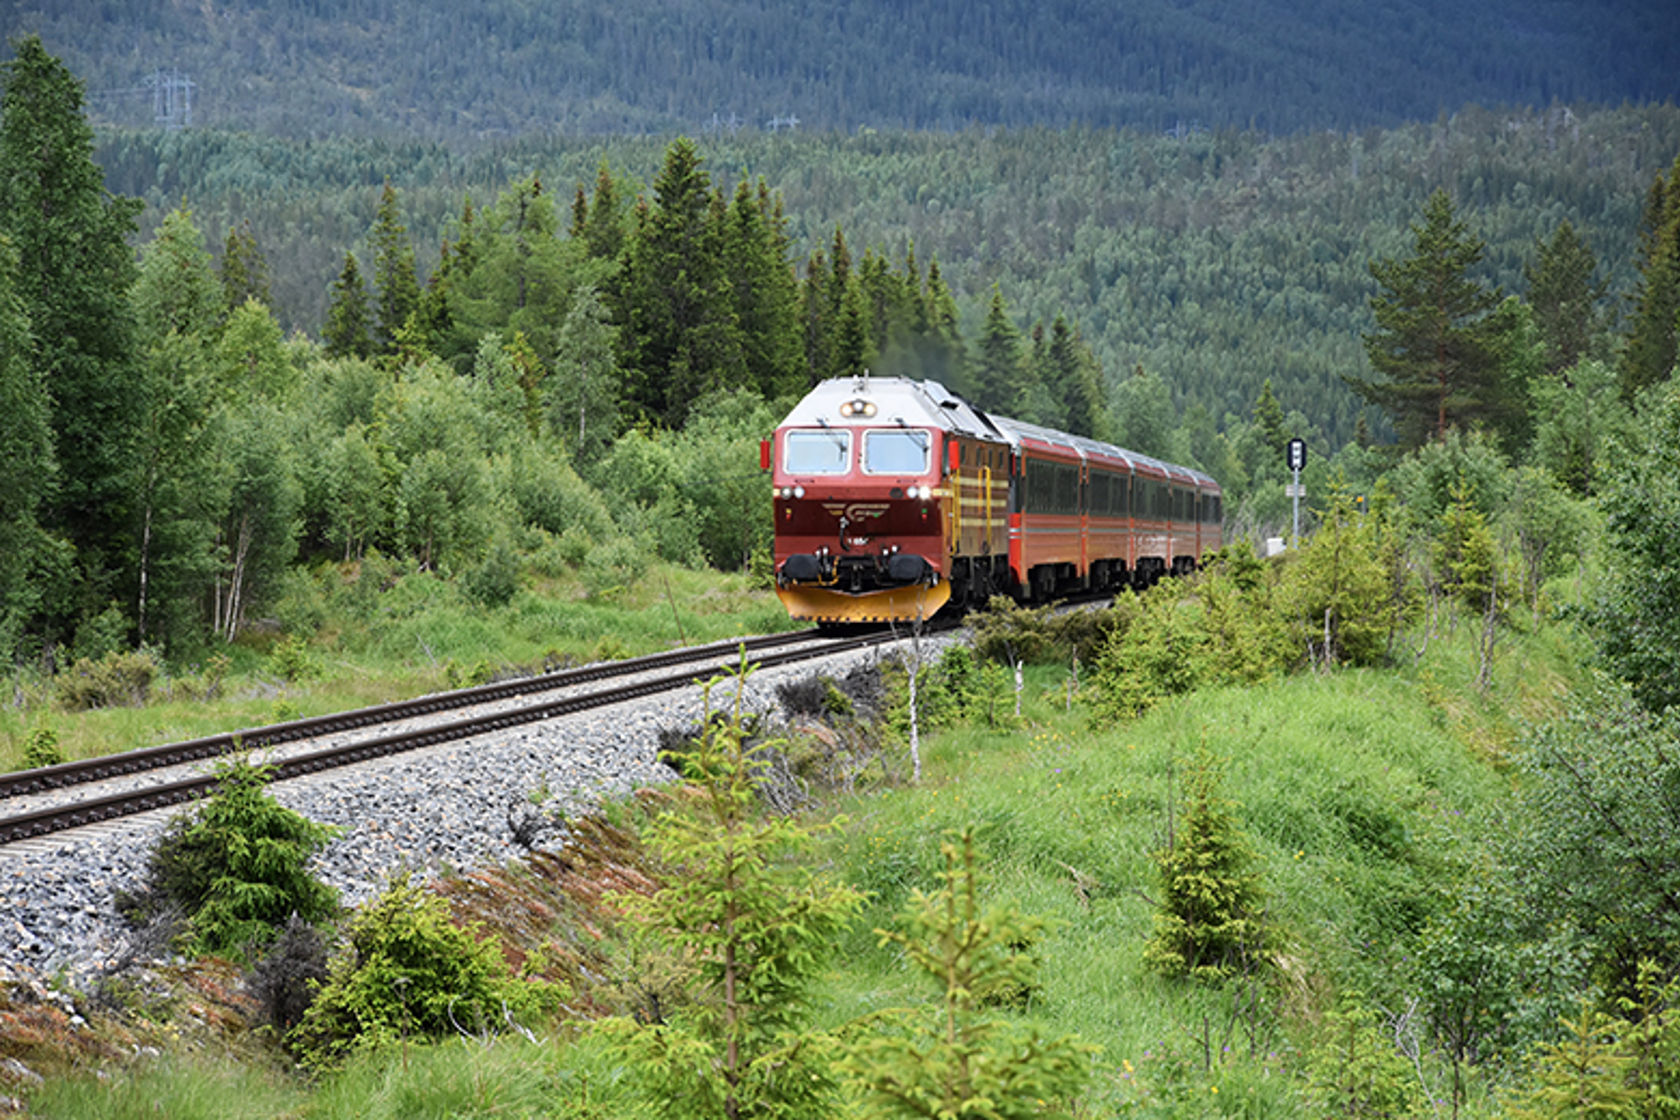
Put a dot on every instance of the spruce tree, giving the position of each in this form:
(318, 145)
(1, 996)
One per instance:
(757, 929)
(396, 288)
(244, 270)
(675, 310)
(997, 369)
(1210, 924)
(1648, 355)
(765, 293)
(815, 326)
(1434, 342)
(1565, 297)
(74, 271)
(959, 1058)
(346, 333)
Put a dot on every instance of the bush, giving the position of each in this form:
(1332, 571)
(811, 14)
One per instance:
(42, 749)
(285, 980)
(614, 567)
(116, 680)
(292, 661)
(406, 971)
(496, 579)
(238, 867)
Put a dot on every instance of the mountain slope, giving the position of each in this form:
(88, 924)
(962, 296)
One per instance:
(428, 68)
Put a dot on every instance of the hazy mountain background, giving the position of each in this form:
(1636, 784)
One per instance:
(459, 72)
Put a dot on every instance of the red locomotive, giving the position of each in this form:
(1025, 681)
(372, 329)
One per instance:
(894, 497)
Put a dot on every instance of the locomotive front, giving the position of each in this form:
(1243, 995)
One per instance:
(860, 503)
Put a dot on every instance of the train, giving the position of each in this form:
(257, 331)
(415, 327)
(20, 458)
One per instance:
(896, 499)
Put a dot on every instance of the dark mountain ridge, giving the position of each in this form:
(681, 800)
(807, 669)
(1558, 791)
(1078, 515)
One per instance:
(462, 73)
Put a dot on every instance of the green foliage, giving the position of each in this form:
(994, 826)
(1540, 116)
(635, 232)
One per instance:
(1210, 924)
(407, 971)
(1598, 850)
(42, 749)
(1164, 651)
(756, 931)
(1584, 1076)
(238, 866)
(291, 661)
(496, 579)
(115, 680)
(954, 1058)
(1636, 622)
(1435, 341)
(1357, 1073)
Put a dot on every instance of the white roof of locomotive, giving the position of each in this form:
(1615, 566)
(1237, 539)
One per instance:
(918, 404)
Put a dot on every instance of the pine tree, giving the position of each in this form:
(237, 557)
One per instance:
(997, 371)
(1648, 355)
(74, 272)
(815, 326)
(758, 930)
(244, 270)
(1565, 297)
(674, 307)
(346, 334)
(959, 1059)
(603, 228)
(396, 288)
(1434, 340)
(1210, 924)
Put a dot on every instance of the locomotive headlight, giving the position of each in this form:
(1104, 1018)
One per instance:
(799, 491)
(922, 492)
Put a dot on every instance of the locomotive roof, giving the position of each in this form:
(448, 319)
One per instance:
(928, 404)
(897, 400)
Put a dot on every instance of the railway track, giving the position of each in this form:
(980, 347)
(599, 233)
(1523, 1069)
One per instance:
(765, 651)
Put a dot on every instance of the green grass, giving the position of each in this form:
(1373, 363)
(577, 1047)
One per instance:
(372, 641)
(1356, 790)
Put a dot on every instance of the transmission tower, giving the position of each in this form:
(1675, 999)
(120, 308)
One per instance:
(171, 99)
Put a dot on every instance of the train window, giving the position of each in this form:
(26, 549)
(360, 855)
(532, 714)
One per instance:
(817, 452)
(896, 451)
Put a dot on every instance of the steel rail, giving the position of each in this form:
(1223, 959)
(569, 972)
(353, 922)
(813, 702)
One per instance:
(46, 821)
(41, 779)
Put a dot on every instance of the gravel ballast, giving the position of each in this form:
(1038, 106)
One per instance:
(453, 806)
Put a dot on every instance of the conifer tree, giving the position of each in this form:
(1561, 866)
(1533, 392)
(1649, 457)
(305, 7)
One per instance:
(757, 928)
(675, 310)
(1268, 417)
(396, 288)
(815, 326)
(1210, 924)
(603, 227)
(944, 358)
(957, 1058)
(74, 272)
(997, 369)
(346, 333)
(766, 297)
(244, 269)
(1565, 297)
(1648, 355)
(1434, 342)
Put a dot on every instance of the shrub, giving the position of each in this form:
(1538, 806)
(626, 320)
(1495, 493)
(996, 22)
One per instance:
(406, 970)
(42, 749)
(238, 866)
(286, 978)
(496, 579)
(292, 661)
(614, 567)
(1209, 924)
(116, 680)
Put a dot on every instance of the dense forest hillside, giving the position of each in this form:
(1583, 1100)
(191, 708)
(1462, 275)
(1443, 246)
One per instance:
(433, 69)
(1214, 260)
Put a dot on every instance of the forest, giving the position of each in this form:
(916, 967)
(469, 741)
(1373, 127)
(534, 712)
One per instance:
(1381, 827)
(302, 69)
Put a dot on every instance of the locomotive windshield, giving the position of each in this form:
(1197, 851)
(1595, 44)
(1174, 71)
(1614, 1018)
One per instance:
(895, 451)
(817, 452)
